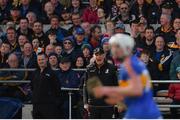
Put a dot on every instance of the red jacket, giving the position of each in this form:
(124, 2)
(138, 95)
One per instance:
(90, 16)
(174, 91)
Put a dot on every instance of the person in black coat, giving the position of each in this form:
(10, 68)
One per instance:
(46, 97)
(106, 72)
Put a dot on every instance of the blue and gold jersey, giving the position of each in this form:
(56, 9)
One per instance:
(141, 107)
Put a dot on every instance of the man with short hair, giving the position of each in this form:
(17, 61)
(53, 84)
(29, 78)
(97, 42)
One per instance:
(24, 28)
(4, 52)
(46, 91)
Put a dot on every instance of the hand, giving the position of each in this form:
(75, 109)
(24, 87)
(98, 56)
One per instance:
(99, 92)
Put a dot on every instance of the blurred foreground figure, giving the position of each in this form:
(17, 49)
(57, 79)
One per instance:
(134, 82)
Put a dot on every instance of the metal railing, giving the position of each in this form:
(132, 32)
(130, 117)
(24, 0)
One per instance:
(71, 90)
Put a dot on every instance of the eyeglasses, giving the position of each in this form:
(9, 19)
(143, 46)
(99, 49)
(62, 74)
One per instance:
(67, 43)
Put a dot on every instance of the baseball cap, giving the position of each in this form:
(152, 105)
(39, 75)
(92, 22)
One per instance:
(120, 26)
(79, 31)
(98, 51)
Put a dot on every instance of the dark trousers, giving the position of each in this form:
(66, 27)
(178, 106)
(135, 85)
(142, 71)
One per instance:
(174, 111)
(101, 112)
(47, 111)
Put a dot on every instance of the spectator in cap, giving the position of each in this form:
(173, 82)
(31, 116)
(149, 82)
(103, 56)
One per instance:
(60, 32)
(174, 94)
(79, 36)
(4, 10)
(53, 61)
(167, 8)
(76, 20)
(68, 79)
(65, 18)
(68, 48)
(14, 15)
(106, 72)
(166, 29)
(155, 12)
(86, 50)
(119, 28)
(58, 7)
(90, 13)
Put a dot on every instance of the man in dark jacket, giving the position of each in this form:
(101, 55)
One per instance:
(107, 74)
(46, 96)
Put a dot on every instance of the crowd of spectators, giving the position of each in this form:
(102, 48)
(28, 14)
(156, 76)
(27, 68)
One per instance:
(75, 31)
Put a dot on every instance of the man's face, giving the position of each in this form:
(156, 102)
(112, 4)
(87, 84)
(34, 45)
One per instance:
(41, 60)
(134, 27)
(149, 34)
(11, 35)
(54, 23)
(15, 13)
(116, 51)
(76, 20)
(65, 66)
(178, 75)
(124, 9)
(106, 47)
(119, 30)
(27, 49)
(75, 3)
(37, 27)
(22, 40)
(53, 60)
(58, 50)
(159, 43)
(5, 48)
(13, 61)
(49, 49)
(164, 20)
(23, 24)
(140, 2)
(144, 58)
(100, 59)
(49, 8)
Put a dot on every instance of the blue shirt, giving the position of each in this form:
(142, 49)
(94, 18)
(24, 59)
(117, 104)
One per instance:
(140, 107)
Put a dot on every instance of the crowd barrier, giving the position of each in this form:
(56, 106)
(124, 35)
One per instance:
(71, 90)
